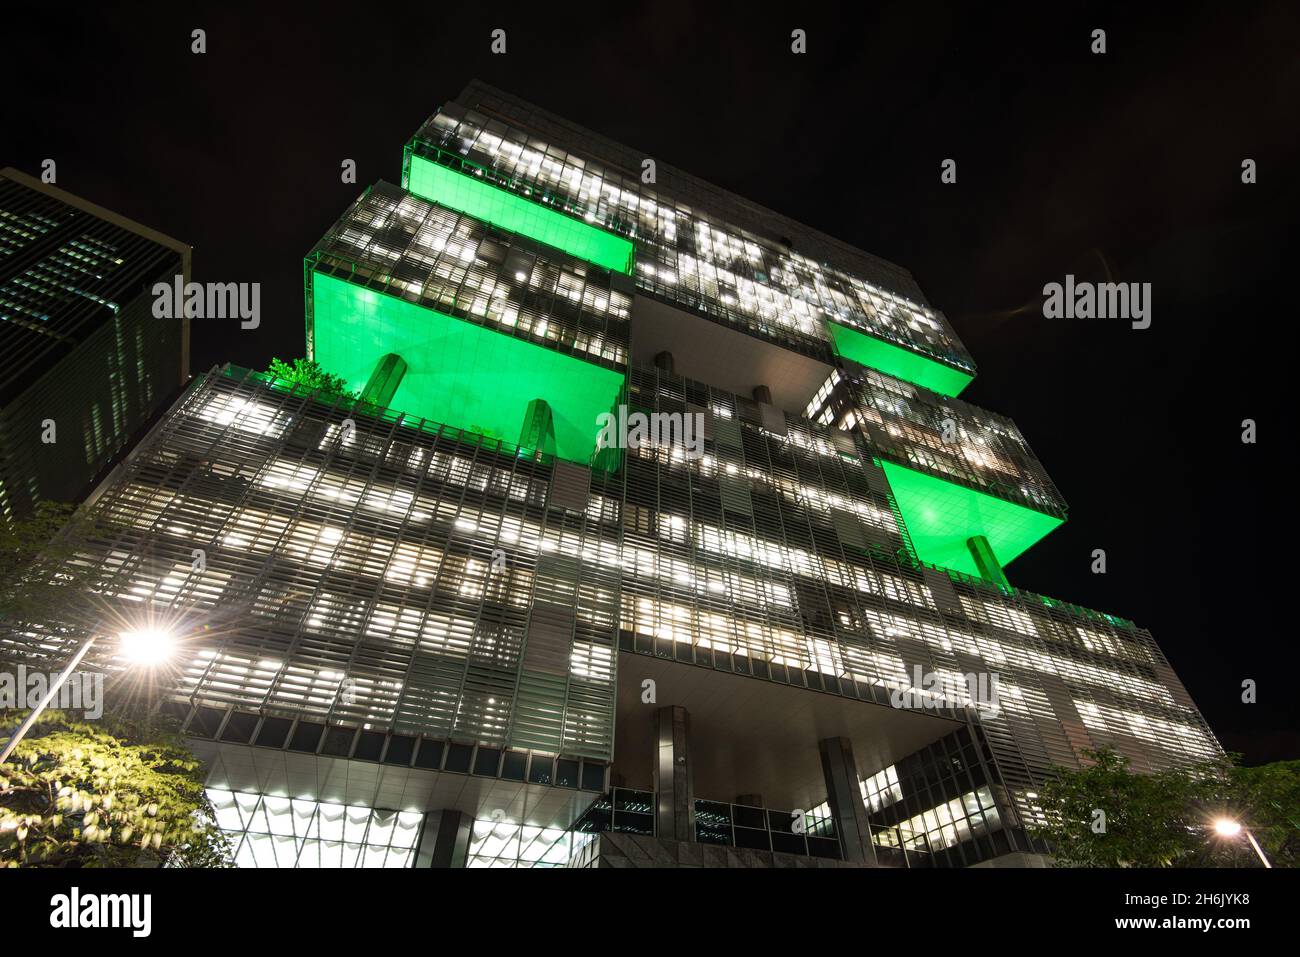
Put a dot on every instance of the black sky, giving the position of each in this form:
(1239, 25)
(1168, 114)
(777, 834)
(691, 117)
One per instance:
(1124, 165)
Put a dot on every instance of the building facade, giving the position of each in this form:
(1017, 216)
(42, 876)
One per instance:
(651, 533)
(86, 363)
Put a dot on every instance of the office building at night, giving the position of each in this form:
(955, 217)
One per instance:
(444, 621)
(86, 365)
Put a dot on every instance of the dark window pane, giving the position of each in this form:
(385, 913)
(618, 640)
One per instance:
(539, 772)
(239, 728)
(486, 761)
(430, 755)
(789, 843)
(370, 746)
(630, 823)
(593, 776)
(458, 758)
(400, 749)
(306, 737)
(514, 766)
(273, 732)
(338, 742)
(566, 773)
(641, 802)
(205, 722)
(750, 816)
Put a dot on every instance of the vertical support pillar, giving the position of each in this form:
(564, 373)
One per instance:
(444, 841)
(673, 775)
(844, 794)
(664, 361)
(538, 432)
(762, 394)
(989, 567)
(383, 382)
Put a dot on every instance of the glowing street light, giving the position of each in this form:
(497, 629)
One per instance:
(149, 647)
(1229, 828)
(146, 647)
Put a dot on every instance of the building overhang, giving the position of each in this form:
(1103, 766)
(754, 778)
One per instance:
(473, 196)
(458, 373)
(726, 358)
(942, 517)
(874, 353)
(754, 736)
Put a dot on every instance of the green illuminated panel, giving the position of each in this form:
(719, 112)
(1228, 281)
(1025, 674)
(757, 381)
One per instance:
(459, 374)
(896, 361)
(941, 516)
(488, 203)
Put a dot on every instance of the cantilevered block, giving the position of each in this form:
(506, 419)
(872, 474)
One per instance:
(458, 374)
(897, 361)
(468, 194)
(941, 517)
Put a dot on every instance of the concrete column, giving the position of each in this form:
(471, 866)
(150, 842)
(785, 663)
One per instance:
(673, 778)
(844, 793)
(763, 394)
(383, 382)
(989, 567)
(444, 841)
(664, 361)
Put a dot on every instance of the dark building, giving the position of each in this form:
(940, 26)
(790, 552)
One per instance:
(86, 364)
(448, 621)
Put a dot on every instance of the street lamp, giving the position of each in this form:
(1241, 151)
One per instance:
(1229, 828)
(147, 647)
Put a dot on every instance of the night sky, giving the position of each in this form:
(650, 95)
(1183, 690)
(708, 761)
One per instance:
(1124, 166)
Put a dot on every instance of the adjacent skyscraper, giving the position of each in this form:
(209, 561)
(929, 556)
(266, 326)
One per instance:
(657, 535)
(85, 363)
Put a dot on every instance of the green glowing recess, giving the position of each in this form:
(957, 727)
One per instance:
(941, 517)
(473, 197)
(457, 373)
(896, 361)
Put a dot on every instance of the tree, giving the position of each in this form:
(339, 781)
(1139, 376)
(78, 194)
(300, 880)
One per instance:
(121, 792)
(1269, 796)
(1164, 819)
(39, 576)
(308, 374)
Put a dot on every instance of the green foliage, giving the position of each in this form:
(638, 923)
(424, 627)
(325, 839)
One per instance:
(114, 793)
(1270, 795)
(308, 374)
(1164, 819)
(30, 589)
